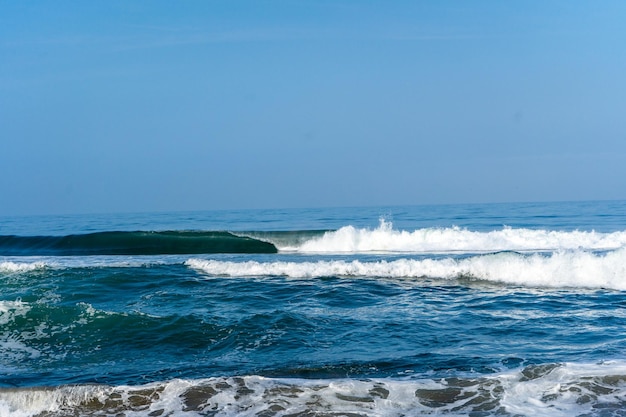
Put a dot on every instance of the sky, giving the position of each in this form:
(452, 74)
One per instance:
(135, 106)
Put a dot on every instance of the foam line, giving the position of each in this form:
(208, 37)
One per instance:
(560, 269)
(551, 390)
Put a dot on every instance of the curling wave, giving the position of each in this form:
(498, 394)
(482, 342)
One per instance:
(132, 243)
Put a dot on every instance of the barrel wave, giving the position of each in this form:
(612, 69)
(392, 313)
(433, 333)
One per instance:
(133, 243)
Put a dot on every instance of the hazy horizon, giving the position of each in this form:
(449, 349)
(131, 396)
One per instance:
(121, 107)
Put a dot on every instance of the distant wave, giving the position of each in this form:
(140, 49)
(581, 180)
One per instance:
(384, 238)
(551, 390)
(559, 269)
(132, 243)
(346, 240)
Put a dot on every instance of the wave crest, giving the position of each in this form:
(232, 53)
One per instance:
(132, 243)
(384, 238)
(560, 269)
(12, 267)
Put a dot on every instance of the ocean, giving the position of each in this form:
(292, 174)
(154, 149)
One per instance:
(450, 310)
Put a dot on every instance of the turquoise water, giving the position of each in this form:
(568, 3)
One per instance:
(469, 310)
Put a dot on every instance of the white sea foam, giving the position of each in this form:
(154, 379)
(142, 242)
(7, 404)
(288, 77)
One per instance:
(12, 345)
(560, 269)
(349, 239)
(12, 267)
(570, 389)
(31, 402)
(553, 390)
(11, 309)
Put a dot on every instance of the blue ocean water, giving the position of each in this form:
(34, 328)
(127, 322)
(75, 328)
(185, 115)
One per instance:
(459, 310)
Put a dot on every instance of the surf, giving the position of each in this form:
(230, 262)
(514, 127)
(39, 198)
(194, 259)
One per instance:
(132, 243)
(552, 390)
(386, 239)
(579, 269)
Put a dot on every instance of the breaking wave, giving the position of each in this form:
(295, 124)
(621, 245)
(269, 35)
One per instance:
(9, 267)
(559, 269)
(347, 239)
(551, 390)
(384, 238)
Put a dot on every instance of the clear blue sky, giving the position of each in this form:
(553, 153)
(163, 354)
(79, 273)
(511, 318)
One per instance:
(215, 104)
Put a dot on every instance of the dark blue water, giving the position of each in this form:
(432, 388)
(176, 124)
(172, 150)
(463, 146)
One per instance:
(515, 309)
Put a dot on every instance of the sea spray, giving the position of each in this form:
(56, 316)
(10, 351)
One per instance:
(350, 239)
